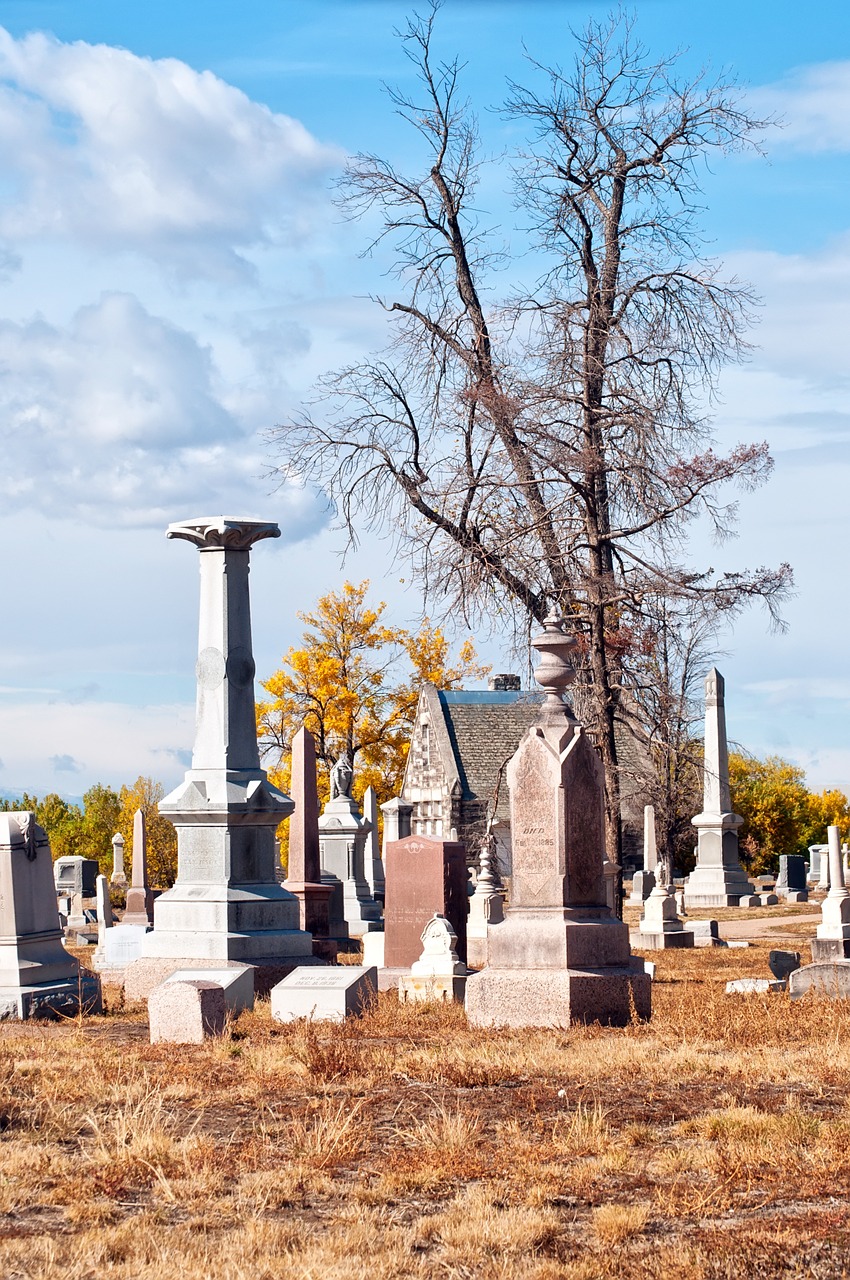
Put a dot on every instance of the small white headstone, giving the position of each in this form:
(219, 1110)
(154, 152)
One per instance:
(325, 995)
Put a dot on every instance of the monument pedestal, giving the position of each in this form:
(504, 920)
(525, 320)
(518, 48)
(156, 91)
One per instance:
(342, 841)
(226, 905)
(37, 976)
(560, 955)
(660, 927)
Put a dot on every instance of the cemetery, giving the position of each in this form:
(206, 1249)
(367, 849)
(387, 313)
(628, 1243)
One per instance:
(406, 1058)
(489, 930)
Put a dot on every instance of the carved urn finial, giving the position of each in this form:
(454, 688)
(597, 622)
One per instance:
(555, 672)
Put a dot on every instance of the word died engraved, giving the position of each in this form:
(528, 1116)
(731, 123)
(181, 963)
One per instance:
(533, 833)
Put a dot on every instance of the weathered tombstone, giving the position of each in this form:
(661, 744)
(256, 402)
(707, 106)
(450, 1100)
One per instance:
(438, 974)
(823, 880)
(817, 861)
(118, 877)
(343, 832)
(826, 978)
(643, 882)
(783, 963)
(237, 983)
(73, 874)
(706, 933)
(791, 881)
(38, 978)
(139, 909)
(186, 1012)
(754, 986)
(718, 879)
(486, 906)
(304, 875)
(226, 904)
(397, 817)
(373, 866)
(423, 876)
(660, 927)
(560, 955)
(325, 995)
(104, 919)
(833, 933)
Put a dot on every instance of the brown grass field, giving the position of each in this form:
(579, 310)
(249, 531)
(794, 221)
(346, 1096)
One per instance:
(713, 1141)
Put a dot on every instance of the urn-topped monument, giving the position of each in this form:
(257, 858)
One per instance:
(560, 955)
(226, 904)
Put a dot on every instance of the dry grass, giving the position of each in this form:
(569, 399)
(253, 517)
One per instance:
(709, 1143)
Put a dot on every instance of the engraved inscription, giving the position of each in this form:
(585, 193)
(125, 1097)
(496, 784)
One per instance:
(533, 817)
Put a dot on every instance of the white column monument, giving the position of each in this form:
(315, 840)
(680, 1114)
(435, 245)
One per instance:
(118, 877)
(833, 932)
(226, 905)
(373, 864)
(718, 879)
(660, 927)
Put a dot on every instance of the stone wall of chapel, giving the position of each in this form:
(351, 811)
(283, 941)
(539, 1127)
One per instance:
(425, 783)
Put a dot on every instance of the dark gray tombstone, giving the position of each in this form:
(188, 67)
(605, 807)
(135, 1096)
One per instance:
(784, 963)
(791, 881)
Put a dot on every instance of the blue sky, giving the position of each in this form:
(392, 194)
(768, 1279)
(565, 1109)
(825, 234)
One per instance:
(173, 277)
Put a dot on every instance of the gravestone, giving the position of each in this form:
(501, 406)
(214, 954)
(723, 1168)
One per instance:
(343, 832)
(754, 986)
(38, 978)
(226, 903)
(833, 933)
(791, 881)
(139, 908)
(718, 879)
(817, 861)
(186, 1012)
(237, 983)
(560, 955)
(374, 866)
(105, 919)
(397, 818)
(325, 995)
(438, 974)
(75, 875)
(486, 906)
(304, 875)
(660, 928)
(424, 876)
(643, 882)
(826, 978)
(783, 963)
(118, 877)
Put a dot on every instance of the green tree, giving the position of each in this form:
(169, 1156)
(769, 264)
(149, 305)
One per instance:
(101, 813)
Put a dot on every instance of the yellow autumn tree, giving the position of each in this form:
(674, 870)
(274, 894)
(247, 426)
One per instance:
(145, 794)
(780, 814)
(354, 683)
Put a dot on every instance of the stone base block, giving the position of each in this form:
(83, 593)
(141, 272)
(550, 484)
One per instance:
(143, 975)
(186, 1012)
(236, 983)
(754, 986)
(414, 989)
(795, 895)
(329, 996)
(52, 999)
(768, 899)
(388, 979)
(477, 951)
(660, 941)
(825, 949)
(557, 998)
(826, 979)
(748, 900)
(373, 950)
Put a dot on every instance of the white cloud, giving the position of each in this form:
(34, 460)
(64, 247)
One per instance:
(116, 741)
(812, 105)
(121, 417)
(124, 152)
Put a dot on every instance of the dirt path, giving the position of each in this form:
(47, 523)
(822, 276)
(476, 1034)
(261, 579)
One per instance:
(767, 926)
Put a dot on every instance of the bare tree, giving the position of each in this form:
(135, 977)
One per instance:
(547, 449)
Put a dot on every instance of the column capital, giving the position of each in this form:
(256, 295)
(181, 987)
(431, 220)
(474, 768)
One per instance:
(223, 533)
